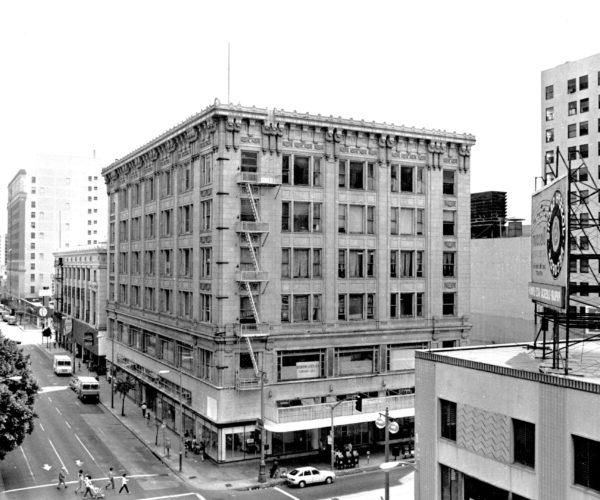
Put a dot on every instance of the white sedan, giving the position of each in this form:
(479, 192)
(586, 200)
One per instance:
(309, 475)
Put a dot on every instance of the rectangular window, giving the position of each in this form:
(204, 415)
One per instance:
(370, 263)
(166, 300)
(301, 177)
(524, 442)
(356, 219)
(448, 265)
(186, 262)
(300, 306)
(356, 360)
(571, 130)
(316, 172)
(342, 307)
(206, 170)
(305, 364)
(584, 265)
(406, 263)
(394, 220)
(549, 114)
(571, 86)
(249, 161)
(393, 263)
(316, 263)
(572, 152)
(185, 178)
(394, 184)
(419, 267)
(449, 223)
(586, 462)
(584, 105)
(406, 305)
(370, 220)
(285, 262)
(407, 216)
(549, 91)
(135, 263)
(550, 135)
(316, 218)
(205, 307)
(583, 128)
(448, 187)
(584, 150)
(205, 261)
(342, 173)
(123, 230)
(420, 180)
(150, 226)
(356, 264)
(301, 216)
(301, 263)
(448, 419)
(420, 221)
(357, 175)
(206, 208)
(135, 195)
(341, 263)
(285, 216)
(449, 304)
(356, 306)
(406, 179)
(316, 307)
(166, 184)
(572, 108)
(166, 223)
(186, 304)
(393, 305)
(149, 189)
(419, 304)
(186, 219)
(136, 229)
(583, 82)
(370, 176)
(285, 169)
(166, 262)
(342, 218)
(285, 308)
(149, 265)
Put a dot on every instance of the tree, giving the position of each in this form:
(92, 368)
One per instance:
(123, 386)
(17, 397)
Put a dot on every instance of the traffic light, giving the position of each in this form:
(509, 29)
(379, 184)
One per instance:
(358, 403)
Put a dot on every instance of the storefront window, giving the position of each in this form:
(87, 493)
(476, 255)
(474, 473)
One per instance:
(402, 356)
(300, 364)
(241, 443)
(291, 442)
(355, 360)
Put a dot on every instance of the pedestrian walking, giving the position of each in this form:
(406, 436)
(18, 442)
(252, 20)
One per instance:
(124, 481)
(274, 467)
(80, 479)
(144, 408)
(148, 419)
(167, 447)
(87, 482)
(62, 475)
(111, 479)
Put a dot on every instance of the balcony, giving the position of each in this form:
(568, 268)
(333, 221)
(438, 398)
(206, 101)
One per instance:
(252, 276)
(251, 329)
(262, 178)
(247, 226)
(246, 383)
(323, 410)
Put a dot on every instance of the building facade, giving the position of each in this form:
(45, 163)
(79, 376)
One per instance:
(80, 303)
(319, 252)
(493, 423)
(58, 203)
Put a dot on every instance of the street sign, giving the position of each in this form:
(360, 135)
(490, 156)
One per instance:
(43, 312)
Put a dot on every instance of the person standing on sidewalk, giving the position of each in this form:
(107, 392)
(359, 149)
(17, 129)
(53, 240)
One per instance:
(62, 475)
(124, 482)
(111, 479)
(274, 467)
(80, 479)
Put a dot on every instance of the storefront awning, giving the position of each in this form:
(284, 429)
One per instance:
(341, 420)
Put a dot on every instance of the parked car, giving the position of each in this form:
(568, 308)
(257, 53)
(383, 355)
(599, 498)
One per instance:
(309, 475)
(11, 320)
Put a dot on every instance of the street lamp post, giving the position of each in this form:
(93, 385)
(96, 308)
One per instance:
(262, 467)
(112, 369)
(393, 428)
(332, 435)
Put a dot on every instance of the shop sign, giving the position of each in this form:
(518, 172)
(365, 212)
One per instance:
(308, 369)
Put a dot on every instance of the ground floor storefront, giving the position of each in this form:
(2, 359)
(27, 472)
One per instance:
(237, 441)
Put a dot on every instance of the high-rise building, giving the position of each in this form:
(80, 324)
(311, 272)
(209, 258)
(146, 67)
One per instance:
(488, 214)
(58, 203)
(305, 257)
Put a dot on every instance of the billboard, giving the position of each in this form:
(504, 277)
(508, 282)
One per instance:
(550, 244)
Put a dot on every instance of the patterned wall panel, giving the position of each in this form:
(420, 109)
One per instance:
(483, 432)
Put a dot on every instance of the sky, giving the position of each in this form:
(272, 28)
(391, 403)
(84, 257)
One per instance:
(78, 76)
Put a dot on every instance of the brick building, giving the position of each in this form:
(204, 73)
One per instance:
(321, 252)
(80, 303)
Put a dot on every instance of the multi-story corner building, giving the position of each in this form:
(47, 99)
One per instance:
(319, 252)
(58, 203)
(80, 303)
(494, 422)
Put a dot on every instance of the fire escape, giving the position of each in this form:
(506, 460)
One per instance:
(253, 233)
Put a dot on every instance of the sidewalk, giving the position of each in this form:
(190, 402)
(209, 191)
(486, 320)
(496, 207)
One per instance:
(197, 473)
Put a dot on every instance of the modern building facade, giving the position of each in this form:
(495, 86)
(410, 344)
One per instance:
(318, 252)
(58, 203)
(80, 303)
(495, 423)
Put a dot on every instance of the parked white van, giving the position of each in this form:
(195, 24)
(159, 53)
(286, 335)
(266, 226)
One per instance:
(62, 365)
(87, 388)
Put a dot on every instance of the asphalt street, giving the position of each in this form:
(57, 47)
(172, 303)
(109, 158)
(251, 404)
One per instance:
(77, 435)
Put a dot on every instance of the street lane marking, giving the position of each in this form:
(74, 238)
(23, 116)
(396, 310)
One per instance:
(52, 388)
(39, 486)
(61, 462)
(67, 424)
(179, 495)
(42, 427)
(49, 399)
(285, 493)
(58, 411)
(27, 462)
(88, 451)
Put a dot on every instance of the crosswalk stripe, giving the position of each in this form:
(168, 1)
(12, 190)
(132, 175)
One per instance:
(38, 486)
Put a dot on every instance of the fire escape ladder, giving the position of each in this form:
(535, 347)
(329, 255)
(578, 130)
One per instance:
(252, 303)
(252, 357)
